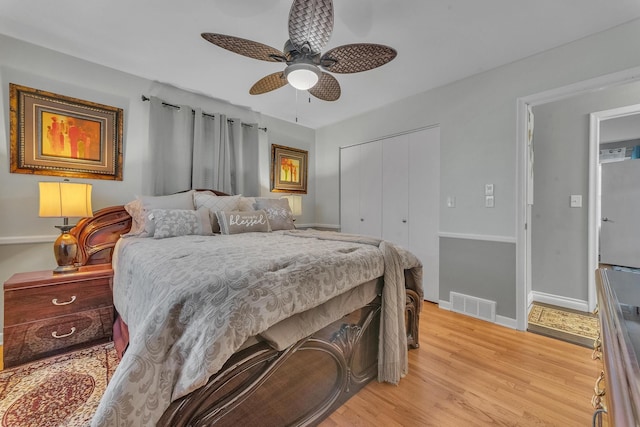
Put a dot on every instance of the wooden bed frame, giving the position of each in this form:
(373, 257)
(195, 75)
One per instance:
(300, 385)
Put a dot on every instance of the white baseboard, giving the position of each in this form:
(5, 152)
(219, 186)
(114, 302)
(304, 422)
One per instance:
(22, 240)
(507, 322)
(571, 303)
(500, 320)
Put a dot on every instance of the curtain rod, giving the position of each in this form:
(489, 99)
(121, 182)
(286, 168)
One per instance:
(166, 104)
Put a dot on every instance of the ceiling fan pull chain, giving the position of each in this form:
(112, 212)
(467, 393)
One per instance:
(296, 105)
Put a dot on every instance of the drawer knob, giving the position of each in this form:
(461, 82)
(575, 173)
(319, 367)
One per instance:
(55, 333)
(55, 301)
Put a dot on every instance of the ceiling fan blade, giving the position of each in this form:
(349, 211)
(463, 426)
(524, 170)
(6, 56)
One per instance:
(268, 83)
(327, 88)
(354, 58)
(245, 47)
(311, 22)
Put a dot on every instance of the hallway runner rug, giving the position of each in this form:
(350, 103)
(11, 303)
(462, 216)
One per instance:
(62, 390)
(568, 325)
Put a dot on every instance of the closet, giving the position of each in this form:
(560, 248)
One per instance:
(390, 189)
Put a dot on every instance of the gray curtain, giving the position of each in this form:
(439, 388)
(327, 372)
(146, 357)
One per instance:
(189, 149)
(212, 153)
(244, 140)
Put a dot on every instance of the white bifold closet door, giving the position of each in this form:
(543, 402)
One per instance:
(360, 190)
(391, 189)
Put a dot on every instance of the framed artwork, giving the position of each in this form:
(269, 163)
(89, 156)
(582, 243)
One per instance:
(61, 136)
(288, 169)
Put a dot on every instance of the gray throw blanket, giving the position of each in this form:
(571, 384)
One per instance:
(393, 360)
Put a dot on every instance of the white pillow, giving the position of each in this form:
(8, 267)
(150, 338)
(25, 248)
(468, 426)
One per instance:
(180, 222)
(214, 204)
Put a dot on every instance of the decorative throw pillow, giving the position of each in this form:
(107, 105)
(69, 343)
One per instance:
(246, 203)
(243, 222)
(214, 204)
(141, 225)
(180, 222)
(278, 211)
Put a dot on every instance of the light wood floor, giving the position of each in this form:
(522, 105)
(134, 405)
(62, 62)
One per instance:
(468, 372)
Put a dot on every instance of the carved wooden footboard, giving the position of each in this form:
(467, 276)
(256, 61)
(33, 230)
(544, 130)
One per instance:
(298, 386)
(259, 385)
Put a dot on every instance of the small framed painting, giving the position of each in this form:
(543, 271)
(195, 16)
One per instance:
(57, 135)
(288, 169)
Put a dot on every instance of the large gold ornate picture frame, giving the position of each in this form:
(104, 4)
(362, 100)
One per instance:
(57, 135)
(289, 167)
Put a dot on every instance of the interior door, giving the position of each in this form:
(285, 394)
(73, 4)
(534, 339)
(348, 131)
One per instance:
(620, 208)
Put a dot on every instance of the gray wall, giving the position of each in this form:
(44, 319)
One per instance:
(477, 117)
(485, 262)
(560, 233)
(26, 241)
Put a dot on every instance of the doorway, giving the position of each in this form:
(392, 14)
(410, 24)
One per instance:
(525, 186)
(613, 217)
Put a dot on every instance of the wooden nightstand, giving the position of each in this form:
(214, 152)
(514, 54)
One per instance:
(47, 313)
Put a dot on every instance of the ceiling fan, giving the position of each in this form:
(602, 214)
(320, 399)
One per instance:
(310, 28)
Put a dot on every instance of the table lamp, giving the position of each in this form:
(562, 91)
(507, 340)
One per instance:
(295, 203)
(63, 200)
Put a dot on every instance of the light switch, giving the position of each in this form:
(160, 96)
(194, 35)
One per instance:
(489, 202)
(488, 189)
(576, 201)
(451, 201)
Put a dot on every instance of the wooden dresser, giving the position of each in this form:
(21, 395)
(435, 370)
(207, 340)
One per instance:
(617, 390)
(47, 313)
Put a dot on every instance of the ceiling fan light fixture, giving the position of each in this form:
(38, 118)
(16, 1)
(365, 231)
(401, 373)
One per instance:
(302, 76)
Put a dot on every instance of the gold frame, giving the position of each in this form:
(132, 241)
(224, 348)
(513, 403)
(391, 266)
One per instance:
(293, 177)
(58, 135)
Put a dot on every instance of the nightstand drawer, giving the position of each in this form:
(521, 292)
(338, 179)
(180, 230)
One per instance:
(35, 303)
(33, 340)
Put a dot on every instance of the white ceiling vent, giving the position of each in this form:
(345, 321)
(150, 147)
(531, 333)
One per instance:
(473, 306)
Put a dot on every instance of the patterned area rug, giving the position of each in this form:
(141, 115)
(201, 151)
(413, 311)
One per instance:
(568, 325)
(59, 391)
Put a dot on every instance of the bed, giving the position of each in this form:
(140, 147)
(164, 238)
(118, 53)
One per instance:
(293, 367)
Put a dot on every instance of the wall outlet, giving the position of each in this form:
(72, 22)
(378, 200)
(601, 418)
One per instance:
(575, 201)
(488, 189)
(451, 201)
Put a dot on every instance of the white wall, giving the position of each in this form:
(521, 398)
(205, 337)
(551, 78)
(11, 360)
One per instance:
(477, 117)
(25, 239)
(296, 136)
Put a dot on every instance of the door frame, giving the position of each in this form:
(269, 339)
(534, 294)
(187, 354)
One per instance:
(523, 210)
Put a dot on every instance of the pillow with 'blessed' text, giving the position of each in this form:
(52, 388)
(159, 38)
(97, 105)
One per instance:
(236, 222)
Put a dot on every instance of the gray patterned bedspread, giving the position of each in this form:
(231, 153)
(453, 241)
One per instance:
(190, 302)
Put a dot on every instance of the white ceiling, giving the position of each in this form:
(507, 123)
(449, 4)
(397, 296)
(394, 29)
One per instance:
(438, 41)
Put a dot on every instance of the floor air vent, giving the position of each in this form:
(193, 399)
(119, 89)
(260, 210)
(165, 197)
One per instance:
(473, 306)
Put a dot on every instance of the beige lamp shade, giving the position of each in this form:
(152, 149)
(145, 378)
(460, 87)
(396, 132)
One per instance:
(295, 202)
(65, 199)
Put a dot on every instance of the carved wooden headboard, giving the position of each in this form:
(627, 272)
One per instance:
(97, 235)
